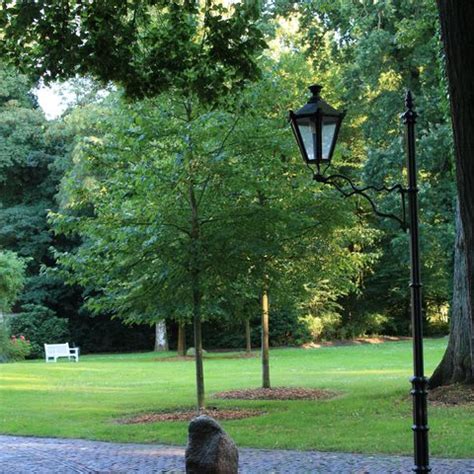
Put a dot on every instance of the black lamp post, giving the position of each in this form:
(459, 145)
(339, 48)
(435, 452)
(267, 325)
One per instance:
(316, 127)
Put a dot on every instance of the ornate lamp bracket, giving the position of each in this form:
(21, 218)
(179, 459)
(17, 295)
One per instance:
(338, 181)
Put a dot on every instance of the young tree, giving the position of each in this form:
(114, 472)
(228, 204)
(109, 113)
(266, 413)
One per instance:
(198, 50)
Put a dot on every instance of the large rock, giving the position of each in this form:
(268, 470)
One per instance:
(210, 449)
(191, 352)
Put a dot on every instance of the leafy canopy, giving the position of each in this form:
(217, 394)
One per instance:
(147, 46)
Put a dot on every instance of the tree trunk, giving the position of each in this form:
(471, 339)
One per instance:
(248, 342)
(161, 339)
(196, 291)
(265, 337)
(198, 343)
(457, 18)
(456, 363)
(181, 339)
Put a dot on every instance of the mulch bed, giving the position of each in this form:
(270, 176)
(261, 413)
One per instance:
(243, 355)
(278, 393)
(355, 342)
(188, 415)
(452, 395)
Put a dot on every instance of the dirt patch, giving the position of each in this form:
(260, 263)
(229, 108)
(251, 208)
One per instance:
(243, 355)
(452, 395)
(189, 414)
(278, 393)
(354, 342)
(173, 359)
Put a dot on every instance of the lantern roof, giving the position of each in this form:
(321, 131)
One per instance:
(315, 104)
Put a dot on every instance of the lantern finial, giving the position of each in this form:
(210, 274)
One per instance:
(315, 90)
(409, 100)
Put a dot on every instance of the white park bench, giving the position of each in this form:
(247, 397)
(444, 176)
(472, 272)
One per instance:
(53, 351)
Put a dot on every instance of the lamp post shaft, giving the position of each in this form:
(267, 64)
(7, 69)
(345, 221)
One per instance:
(300, 122)
(419, 381)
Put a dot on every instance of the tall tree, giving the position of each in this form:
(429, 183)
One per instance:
(368, 53)
(28, 181)
(456, 19)
(199, 50)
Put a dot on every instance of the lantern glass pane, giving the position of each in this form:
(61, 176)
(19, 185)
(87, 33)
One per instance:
(328, 131)
(308, 135)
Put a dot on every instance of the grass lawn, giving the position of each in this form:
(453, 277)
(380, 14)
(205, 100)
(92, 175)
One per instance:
(373, 414)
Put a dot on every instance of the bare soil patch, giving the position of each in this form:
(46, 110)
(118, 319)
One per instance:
(242, 355)
(452, 395)
(355, 342)
(189, 414)
(278, 393)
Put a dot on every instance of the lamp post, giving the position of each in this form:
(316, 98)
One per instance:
(316, 126)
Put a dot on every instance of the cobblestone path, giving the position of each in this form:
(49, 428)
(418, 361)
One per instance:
(49, 456)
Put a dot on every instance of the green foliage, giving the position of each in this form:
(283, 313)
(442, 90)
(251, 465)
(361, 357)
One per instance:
(286, 330)
(40, 326)
(19, 348)
(148, 47)
(184, 191)
(28, 149)
(101, 333)
(128, 198)
(367, 56)
(323, 327)
(12, 274)
(34, 155)
(12, 347)
(4, 341)
(229, 333)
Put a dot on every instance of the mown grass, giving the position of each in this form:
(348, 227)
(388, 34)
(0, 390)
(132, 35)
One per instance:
(372, 415)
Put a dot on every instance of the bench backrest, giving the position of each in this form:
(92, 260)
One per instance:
(57, 349)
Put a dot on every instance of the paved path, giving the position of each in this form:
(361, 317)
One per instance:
(49, 456)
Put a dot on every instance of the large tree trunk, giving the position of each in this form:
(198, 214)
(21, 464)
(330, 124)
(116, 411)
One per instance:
(181, 339)
(457, 18)
(456, 363)
(265, 337)
(161, 339)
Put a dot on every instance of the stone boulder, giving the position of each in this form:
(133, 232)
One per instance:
(210, 449)
(191, 352)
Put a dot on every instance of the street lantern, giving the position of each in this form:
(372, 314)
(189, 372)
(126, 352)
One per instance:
(316, 126)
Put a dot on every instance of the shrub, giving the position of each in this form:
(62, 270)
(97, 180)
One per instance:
(226, 333)
(18, 348)
(4, 342)
(367, 324)
(323, 327)
(40, 325)
(286, 329)
(437, 328)
(12, 348)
